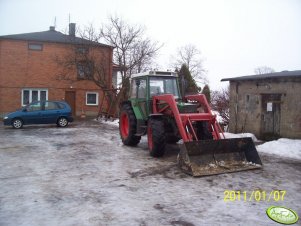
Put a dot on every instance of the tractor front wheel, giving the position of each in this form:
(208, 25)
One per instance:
(156, 137)
(127, 126)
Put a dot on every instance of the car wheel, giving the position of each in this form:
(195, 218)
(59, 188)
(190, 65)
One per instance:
(62, 122)
(17, 123)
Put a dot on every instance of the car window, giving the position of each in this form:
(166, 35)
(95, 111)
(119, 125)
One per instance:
(61, 106)
(51, 105)
(34, 106)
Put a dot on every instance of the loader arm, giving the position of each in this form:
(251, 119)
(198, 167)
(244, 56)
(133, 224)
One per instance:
(198, 156)
(184, 121)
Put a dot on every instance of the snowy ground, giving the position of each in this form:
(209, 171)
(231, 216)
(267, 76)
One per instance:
(83, 175)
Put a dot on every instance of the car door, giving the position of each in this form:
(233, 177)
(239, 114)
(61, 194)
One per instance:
(51, 112)
(33, 113)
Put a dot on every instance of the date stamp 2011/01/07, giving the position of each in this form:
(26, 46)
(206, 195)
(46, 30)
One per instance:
(255, 195)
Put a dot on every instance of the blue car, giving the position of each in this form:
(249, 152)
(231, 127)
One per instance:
(40, 112)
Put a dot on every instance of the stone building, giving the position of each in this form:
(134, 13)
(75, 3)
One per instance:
(33, 67)
(267, 105)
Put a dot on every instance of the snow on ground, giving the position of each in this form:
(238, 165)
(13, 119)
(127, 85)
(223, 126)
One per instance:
(284, 147)
(84, 175)
(240, 135)
(114, 122)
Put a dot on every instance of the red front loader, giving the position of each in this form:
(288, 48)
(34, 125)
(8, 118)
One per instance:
(155, 108)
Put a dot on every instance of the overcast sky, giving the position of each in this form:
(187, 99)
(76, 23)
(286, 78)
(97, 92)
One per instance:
(234, 36)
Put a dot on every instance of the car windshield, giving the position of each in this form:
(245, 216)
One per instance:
(163, 85)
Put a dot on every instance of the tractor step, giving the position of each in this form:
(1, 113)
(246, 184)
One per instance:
(141, 131)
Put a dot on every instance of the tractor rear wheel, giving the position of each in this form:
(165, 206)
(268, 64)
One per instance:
(156, 137)
(127, 126)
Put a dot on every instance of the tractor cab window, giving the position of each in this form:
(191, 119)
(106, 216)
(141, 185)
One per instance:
(142, 89)
(138, 89)
(163, 85)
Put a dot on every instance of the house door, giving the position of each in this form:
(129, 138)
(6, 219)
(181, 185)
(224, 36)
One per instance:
(70, 99)
(270, 120)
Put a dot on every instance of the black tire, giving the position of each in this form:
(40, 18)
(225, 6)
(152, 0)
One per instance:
(62, 122)
(17, 123)
(172, 139)
(156, 137)
(203, 132)
(128, 126)
(170, 132)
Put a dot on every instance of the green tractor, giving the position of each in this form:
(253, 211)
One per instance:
(155, 107)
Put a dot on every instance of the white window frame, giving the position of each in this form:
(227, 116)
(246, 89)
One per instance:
(97, 94)
(30, 95)
(35, 46)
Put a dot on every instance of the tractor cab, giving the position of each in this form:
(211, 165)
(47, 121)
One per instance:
(146, 85)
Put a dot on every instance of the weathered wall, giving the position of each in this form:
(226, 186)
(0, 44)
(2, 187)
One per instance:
(246, 101)
(22, 68)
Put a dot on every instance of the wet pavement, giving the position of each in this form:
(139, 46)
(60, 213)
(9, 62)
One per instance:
(83, 175)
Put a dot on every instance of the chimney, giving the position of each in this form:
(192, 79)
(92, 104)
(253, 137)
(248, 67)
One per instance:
(72, 29)
(52, 28)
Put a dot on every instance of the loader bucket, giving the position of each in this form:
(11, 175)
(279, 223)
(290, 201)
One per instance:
(209, 157)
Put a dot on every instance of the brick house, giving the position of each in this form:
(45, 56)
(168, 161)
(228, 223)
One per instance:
(32, 68)
(267, 105)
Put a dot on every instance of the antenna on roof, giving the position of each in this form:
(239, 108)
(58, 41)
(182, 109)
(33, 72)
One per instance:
(54, 22)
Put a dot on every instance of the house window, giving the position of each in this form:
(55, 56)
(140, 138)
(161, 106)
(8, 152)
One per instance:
(91, 98)
(82, 50)
(31, 95)
(85, 70)
(35, 46)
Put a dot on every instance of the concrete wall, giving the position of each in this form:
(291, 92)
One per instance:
(23, 68)
(246, 105)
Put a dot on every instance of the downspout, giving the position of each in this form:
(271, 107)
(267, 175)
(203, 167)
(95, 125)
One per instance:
(236, 105)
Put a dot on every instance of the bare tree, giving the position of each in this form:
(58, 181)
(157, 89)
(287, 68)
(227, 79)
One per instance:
(88, 57)
(220, 101)
(263, 70)
(190, 55)
(133, 51)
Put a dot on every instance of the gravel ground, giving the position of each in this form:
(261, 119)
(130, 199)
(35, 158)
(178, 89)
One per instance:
(83, 175)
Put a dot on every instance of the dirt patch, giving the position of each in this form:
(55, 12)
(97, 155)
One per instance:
(181, 223)
(151, 171)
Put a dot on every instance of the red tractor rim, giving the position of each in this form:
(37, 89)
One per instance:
(150, 138)
(124, 125)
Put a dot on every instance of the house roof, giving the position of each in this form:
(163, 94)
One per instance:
(282, 74)
(52, 36)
